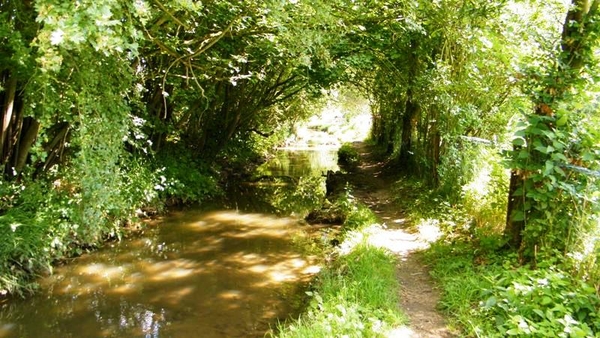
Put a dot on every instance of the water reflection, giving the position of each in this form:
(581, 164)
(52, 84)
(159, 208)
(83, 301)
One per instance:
(292, 182)
(219, 273)
(227, 273)
(300, 163)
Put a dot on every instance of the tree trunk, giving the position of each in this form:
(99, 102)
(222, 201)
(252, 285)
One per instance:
(514, 227)
(7, 117)
(27, 139)
(576, 40)
(411, 110)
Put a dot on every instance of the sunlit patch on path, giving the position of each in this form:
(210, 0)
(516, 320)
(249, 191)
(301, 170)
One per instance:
(418, 296)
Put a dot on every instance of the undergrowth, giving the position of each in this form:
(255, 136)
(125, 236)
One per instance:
(357, 294)
(488, 294)
(347, 155)
(486, 290)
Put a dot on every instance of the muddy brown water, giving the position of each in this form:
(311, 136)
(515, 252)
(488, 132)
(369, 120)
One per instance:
(221, 272)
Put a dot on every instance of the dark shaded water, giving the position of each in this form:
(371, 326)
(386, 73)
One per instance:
(230, 272)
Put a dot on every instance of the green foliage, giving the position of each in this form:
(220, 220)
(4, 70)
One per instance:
(559, 196)
(359, 216)
(183, 178)
(298, 197)
(44, 221)
(484, 191)
(348, 155)
(355, 297)
(547, 302)
(490, 295)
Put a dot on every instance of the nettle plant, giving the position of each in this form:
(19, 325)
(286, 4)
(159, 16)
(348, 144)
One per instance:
(541, 303)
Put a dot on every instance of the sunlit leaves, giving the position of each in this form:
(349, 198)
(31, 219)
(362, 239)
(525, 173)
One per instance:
(78, 24)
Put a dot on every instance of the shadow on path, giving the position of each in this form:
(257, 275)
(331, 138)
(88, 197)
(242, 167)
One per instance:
(419, 296)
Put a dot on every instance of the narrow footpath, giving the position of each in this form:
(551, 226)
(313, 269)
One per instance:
(372, 186)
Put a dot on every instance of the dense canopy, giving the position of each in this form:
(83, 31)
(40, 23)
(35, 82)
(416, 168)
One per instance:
(111, 106)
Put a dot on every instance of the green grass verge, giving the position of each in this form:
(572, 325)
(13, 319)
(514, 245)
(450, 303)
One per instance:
(486, 291)
(356, 295)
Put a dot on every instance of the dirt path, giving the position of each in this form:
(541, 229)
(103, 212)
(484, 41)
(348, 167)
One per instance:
(418, 295)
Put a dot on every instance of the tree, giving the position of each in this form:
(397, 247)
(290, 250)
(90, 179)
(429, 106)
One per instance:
(539, 160)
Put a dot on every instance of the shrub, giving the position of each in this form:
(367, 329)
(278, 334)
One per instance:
(347, 155)
(184, 179)
(490, 295)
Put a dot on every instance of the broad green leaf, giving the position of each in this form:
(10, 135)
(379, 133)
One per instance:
(490, 302)
(518, 142)
(539, 313)
(549, 167)
(562, 120)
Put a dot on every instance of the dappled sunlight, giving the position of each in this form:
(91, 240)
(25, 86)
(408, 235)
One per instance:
(172, 269)
(218, 270)
(401, 332)
(395, 240)
(429, 231)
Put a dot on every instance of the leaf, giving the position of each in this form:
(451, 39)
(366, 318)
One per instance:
(542, 149)
(514, 332)
(549, 167)
(559, 157)
(539, 313)
(523, 154)
(490, 302)
(562, 120)
(518, 216)
(546, 300)
(518, 142)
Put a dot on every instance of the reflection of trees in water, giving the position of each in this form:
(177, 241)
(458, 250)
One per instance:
(290, 183)
(139, 318)
(300, 163)
(299, 198)
(131, 319)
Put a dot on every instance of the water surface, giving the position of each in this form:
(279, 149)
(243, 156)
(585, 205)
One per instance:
(230, 272)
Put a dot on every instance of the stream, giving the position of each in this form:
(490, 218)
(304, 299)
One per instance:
(230, 270)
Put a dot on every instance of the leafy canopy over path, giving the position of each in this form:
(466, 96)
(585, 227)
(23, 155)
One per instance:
(108, 107)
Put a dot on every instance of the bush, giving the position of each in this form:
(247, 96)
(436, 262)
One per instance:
(347, 155)
(489, 295)
(184, 179)
(545, 302)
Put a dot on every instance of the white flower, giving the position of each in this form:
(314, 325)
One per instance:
(57, 37)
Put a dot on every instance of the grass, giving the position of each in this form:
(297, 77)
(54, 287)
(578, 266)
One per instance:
(487, 292)
(354, 296)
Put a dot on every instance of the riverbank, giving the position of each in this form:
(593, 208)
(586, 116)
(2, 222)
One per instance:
(381, 229)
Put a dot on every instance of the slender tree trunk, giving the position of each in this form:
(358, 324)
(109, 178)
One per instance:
(411, 110)
(27, 139)
(7, 117)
